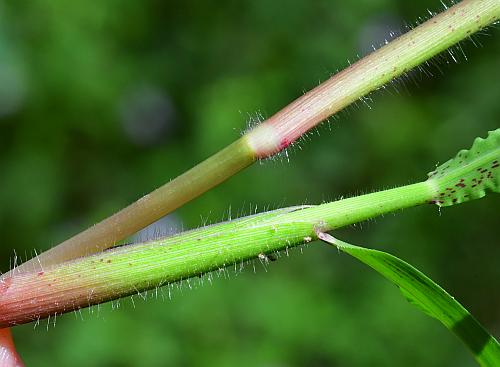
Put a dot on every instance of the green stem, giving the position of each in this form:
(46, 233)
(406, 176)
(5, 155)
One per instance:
(148, 209)
(135, 268)
(372, 72)
(282, 129)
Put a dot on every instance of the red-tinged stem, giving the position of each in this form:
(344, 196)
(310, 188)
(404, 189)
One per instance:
(128, 270)
(282, 129)
(272, 136)
(147, 209)
(8, 354)
(371, 73)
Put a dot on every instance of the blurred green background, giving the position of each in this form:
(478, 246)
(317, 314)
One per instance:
(102, 102)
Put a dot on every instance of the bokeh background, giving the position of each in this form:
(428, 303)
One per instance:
(102, 102)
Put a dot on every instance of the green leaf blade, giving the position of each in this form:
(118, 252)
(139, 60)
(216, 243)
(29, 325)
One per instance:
(429, 297)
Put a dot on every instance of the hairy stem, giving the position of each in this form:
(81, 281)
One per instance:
(148, 209)
(135, 268)
(130, 269)
(372, 72)
(282, 129)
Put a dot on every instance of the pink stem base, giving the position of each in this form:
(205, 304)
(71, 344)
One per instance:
(8, 354)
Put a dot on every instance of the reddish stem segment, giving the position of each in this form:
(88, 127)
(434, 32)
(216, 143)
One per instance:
(282, 129)
(8, 354)
(372, 72)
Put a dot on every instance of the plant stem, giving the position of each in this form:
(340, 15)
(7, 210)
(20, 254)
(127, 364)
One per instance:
(8, 354)
(148, 209)
(282, 129)
(135, 268)
(372, 72)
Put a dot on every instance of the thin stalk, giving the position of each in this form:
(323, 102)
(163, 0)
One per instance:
(372, 72)
(285, 127)
(135, 268)
(147, 209)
